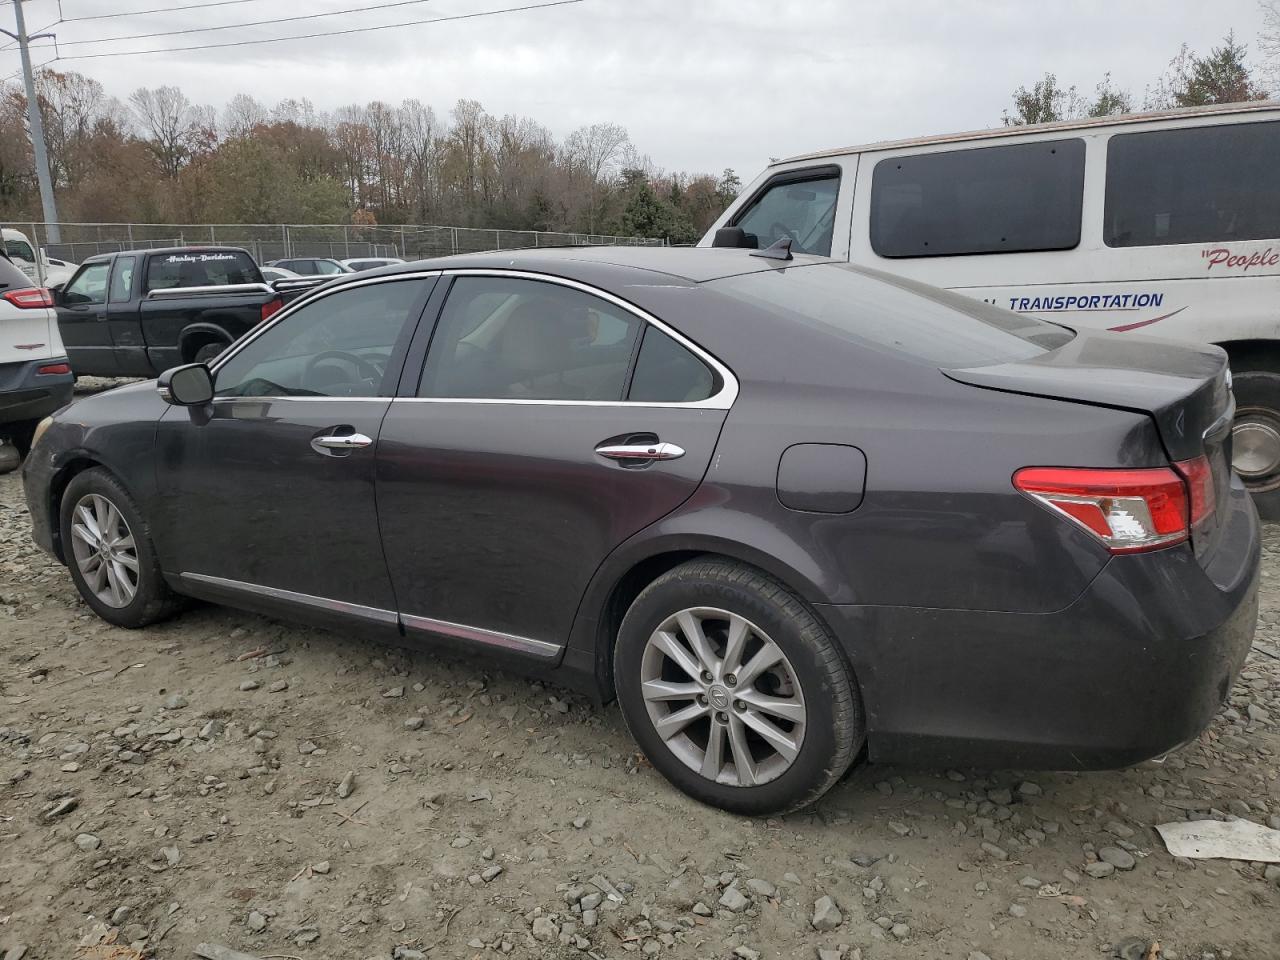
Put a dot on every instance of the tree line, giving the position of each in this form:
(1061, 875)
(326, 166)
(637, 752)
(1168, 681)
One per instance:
(156, 157)
(1190, 80)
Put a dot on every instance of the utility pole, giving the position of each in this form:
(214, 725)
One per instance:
(37, 130)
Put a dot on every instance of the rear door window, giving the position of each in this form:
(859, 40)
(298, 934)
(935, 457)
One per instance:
(1215, 183)
(1012, 199)
(799, 205)
(200, 269)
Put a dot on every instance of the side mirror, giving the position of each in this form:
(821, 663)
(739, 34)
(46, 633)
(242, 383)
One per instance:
(735, 237)
(186, 386)
(55, 294)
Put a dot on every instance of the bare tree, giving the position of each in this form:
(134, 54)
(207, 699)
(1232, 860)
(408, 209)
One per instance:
(242, 114)
(168, 125)
(593, 150)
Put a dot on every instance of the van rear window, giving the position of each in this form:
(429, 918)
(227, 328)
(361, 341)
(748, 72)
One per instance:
(1013, 199)
(201, 268)
(1214, 183)
(913, 319)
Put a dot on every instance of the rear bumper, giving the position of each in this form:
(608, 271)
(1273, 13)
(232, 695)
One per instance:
(1139, 664)
(27, 394)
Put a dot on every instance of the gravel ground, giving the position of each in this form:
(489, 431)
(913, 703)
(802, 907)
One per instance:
(287, 792)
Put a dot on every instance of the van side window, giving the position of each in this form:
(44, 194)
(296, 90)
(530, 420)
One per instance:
(801, 207)
(1013, 199)
(1213, 183)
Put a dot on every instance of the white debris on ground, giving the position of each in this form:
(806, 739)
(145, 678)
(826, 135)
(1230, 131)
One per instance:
(228, 780)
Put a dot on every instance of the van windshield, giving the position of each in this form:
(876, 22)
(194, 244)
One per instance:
(20, 250)
(922, 322)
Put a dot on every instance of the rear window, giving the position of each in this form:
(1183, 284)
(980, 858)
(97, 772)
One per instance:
(922, 322)
(1013, 199)
(208, 268)
(1191, 186)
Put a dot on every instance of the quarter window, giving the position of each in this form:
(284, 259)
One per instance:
(800, 207)
(88, 286)
(668, 373)
(1012, 199)
(511, 339)
(1214, 183)
(121, 279)
(339, 345)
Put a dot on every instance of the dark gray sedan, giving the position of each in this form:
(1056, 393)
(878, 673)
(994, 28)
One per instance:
(782, 509)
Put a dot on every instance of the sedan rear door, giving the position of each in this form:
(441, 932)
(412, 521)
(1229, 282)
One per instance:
(550, 422)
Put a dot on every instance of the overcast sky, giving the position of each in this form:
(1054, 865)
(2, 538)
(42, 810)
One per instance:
(699, 84)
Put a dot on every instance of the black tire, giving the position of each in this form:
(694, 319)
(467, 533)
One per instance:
(1257, 395)
(153, 600)
(20, 435)
(834, 728)
(208, 351)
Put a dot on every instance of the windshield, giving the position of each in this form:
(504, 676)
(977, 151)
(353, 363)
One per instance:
(920, 321)
(20, 250)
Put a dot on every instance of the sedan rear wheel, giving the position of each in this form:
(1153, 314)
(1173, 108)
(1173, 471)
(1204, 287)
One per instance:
(734, 690)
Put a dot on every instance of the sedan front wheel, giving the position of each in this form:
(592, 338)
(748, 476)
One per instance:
(734, 690)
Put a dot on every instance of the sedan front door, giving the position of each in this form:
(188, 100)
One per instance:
(550, 423)
(268, 501)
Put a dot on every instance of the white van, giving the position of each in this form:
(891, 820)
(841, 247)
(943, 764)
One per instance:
(47, 271)
(1165, 223)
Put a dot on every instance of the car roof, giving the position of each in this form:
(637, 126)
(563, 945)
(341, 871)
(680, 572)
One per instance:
(1057, 126)
(99, 257)
(658, 264)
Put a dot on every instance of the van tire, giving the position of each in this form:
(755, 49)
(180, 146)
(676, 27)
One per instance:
(1257, 395)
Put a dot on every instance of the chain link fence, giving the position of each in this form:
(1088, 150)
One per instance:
(276, 241)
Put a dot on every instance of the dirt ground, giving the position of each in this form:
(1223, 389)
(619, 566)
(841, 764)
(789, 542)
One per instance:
(185, 784)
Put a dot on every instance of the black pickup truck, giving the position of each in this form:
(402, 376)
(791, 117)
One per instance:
(139, 312)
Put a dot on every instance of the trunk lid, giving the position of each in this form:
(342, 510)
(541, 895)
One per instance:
(1184, 388)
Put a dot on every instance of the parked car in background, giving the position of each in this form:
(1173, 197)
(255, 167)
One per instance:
(35, 377)
(780, 508)
(312, 266)
(1164, 223)
(135, 313)
(271, 274)
(48, 271)
(359, 264)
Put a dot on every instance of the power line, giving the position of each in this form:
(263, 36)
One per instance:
(324, 33)
(251, 23)
(140, 13)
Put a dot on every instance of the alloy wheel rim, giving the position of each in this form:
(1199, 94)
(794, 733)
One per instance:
(723, 697)
(105, 551)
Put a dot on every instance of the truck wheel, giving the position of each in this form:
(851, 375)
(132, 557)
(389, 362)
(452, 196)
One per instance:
(1255, 438)
(208, 351)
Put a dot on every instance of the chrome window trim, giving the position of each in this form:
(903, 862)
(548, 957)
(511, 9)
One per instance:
(723, 399)
(285, 312)
(489, 638)
(375, 614)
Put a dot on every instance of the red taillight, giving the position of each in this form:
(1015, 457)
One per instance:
(1199, 476)
(29, 298)
(1128, 510)
(49, 369)
(270, 307)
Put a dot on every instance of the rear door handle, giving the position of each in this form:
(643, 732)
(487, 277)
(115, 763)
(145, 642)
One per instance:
(640, 451)
(340, 442)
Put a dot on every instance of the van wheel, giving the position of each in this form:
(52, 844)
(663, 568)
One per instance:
(735, 691)
(1255, 438)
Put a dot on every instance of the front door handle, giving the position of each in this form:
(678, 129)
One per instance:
(647, 452)
(340, 442)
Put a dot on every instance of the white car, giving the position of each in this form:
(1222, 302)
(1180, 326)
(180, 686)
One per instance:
(271, 274)
(360, 264)
(51, 271)
(35, 376)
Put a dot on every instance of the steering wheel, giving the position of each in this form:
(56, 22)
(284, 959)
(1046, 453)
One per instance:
(779, 230)
(363, 366)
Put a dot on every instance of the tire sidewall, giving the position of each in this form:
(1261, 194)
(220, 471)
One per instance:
(209, 351)
(149, 602)
(810, 771)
